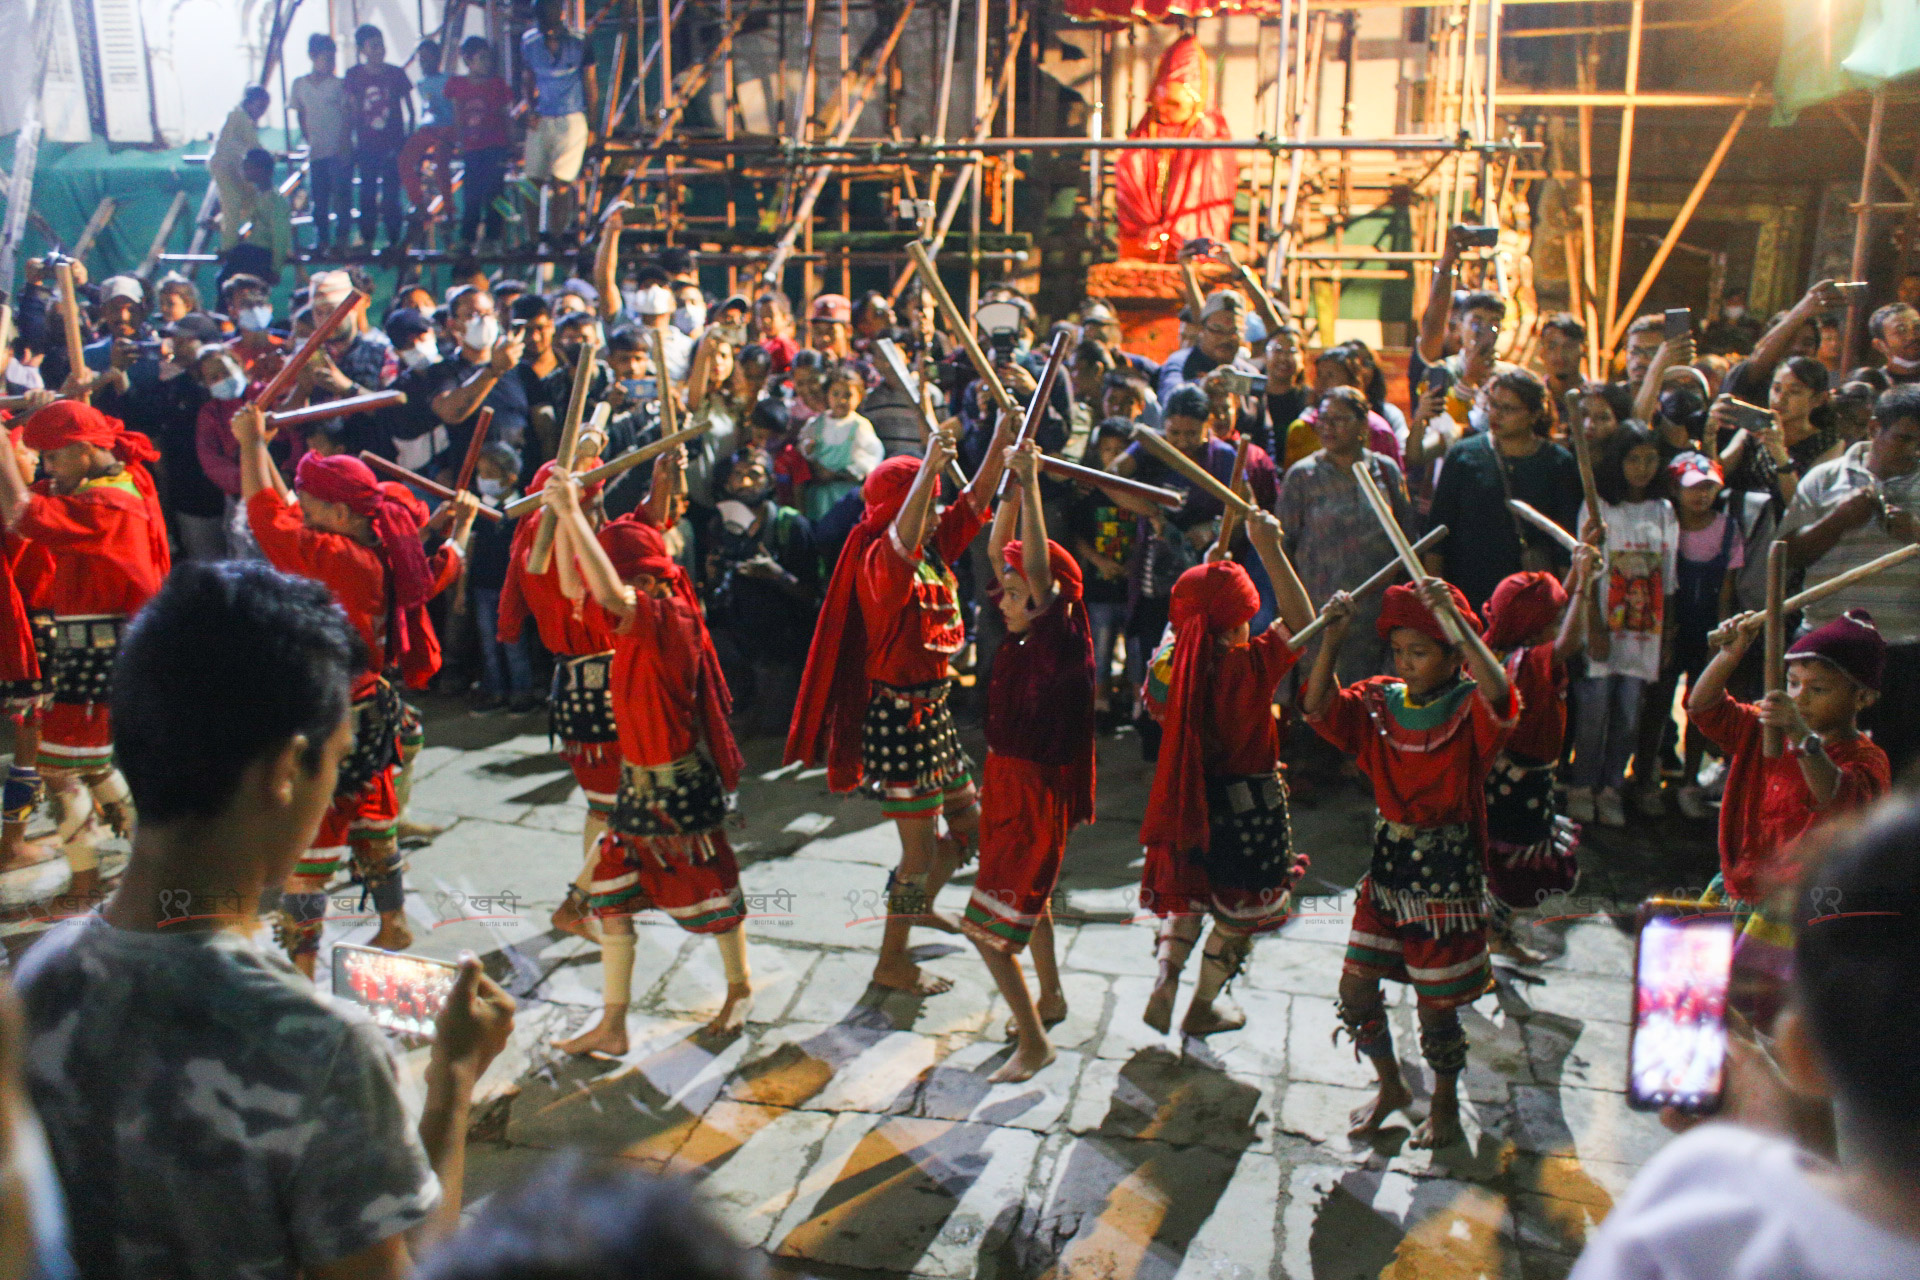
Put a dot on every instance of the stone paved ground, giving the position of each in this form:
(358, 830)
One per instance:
(853, 1133)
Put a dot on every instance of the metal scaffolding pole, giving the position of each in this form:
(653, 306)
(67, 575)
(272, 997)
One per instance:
(1622, 170)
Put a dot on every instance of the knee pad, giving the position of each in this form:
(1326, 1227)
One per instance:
(906, 895)
(21, 796)
(1229, 950)
(301, 915)
(380, 868)
(1366, 1027)
(1444, 1045)
(389, 893)
(110, 788)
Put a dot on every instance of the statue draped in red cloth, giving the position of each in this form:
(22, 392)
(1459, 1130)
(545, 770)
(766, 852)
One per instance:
(1168, 197)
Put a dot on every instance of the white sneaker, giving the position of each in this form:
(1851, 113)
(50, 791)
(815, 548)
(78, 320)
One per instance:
(1607, 805)
(1580, 804)
(1650, 803)
(1693, 804)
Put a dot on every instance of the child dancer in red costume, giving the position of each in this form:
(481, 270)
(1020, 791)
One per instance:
(349, 533)
(580, 705)
(1426, 737)
(1534, 623)
(1038, 781)
(664, 845)
(98, 518)
(873, 701)
(26, 674)
(1218, 837)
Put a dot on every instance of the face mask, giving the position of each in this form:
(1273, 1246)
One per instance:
(231, 387)
(481, 333)
(490, 488)
(1733, 313)
(632, 298)
(420, 356)
(690, 318)
(253, 319)
(1684, 409)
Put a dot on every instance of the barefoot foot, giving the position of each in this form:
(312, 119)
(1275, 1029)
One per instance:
(568, 918)
(608, 1038)
(1205, 1019)
(1368, 1117)
(1052, 1011)
(393, 936)
(910, 979)
(1440, 1129)
(14, 857)
(1025, 1063)
(732, 1017)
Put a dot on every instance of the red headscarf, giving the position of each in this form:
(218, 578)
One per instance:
(833, 692)
(67, 422)
(1060, 562)
(1165, 198)
(350, 482)
(1208, 599)
(1520, 606)
(1068, 590)
(637, 548)
(1402, 606)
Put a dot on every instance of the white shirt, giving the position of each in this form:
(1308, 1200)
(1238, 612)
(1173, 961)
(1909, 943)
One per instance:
(1725, 1203)
(322, 104)
(1641, 570)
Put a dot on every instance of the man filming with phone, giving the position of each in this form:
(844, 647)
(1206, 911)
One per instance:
(210, 1114)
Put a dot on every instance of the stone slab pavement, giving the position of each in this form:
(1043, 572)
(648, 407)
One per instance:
(853, 1132)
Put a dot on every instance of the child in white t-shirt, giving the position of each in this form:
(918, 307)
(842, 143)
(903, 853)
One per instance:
(1624, 654)
(1726, 1202)
(840, 443)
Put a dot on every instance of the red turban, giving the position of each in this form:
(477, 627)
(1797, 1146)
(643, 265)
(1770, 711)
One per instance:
(833, 692)
(1060, 562)
(67, 422)
(408, 499)
(1521, 606)
(1402, 606)
(351, 483)
(1208, 600)
(636, 548)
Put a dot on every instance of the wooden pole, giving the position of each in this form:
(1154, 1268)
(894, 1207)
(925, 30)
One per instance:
(160, 237)
(1622, 170)
(1863, 229)
(540, 555)
(394, 471)
(1156, 444)
(1378, 579)
(1588, 239)
(1841, 581)
(102, 215)
(1171, 499)
(313, 413)
(1383, 512)
(271, 393)
(70, 321)
(1544, 523)
(1230, 522)
(619, 466)
(1037, 407)
(961, 326)
(1674, 232)
(1776, 637)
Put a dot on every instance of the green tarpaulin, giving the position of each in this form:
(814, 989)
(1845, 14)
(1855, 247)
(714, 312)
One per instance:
(1830, 47)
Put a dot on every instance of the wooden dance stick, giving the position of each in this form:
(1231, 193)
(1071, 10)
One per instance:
(394, 471)
(1037, 407)
(1583, 456)
(917, 390)
(1380, 578)
(1841, 581)
(335, 409)
(1383, 512)
(1171, 499)
(1772, 742)
(1545, 523)
(540, 555)
(70, 318)
(619, 466)
(475, 443)
(1230, 521)
(1157, 445)
(289, 370)
(961, 326)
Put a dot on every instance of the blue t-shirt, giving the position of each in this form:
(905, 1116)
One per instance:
(558, 86)
(433, 92)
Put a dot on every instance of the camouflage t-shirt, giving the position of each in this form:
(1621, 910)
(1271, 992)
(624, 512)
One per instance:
(210, 1113)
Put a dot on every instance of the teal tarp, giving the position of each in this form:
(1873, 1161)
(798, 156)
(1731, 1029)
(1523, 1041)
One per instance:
(1829, 47)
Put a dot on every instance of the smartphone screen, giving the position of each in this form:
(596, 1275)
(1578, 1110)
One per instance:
(1677, 1056)
(401, 993)
(1679, 322)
